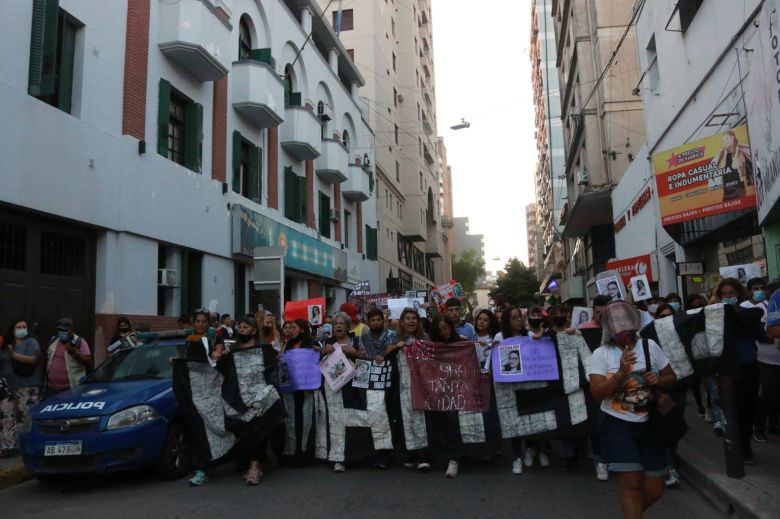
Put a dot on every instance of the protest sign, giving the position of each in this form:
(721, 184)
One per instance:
(447, 377)
(525, 359)
(580, 315)
(483, 355)
(362, 288)
(299, 369)
(743, 273)
(443, 292)
(640, 288)
(337, 369)
(610, 284)
(305, 310)
(369, 375)
(397, 306)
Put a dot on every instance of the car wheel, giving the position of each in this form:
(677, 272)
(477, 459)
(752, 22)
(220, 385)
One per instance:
(176, 456)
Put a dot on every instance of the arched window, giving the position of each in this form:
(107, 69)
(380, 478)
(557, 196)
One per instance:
(244, 39)
(345, 139)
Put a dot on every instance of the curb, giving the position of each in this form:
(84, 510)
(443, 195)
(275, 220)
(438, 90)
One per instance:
(13, 475)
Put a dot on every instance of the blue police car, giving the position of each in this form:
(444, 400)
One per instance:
(122, 416)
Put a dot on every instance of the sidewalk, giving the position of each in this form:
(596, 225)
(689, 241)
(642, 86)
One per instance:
(702, 465)
(12, 471)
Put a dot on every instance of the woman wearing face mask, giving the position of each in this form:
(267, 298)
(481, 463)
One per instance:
(21, 366)
(122, 330)
(674, 301)
(731, 292)
(537, 327)
(619, 379)
(269, 333)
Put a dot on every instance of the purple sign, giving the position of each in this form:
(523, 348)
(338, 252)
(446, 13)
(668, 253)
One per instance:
(299, 369)
(524, 359)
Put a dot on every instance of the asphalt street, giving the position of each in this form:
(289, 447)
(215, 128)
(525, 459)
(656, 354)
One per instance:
(483, 490)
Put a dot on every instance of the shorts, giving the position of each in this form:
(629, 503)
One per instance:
(629, 447)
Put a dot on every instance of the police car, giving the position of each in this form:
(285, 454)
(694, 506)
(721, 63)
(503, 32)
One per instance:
(122, 416)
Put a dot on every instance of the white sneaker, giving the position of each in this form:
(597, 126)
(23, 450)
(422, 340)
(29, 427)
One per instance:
(339, 467)
(717, 428)
(672, 478)
(452, 469)
(423, 466)
(517, 466)
(544, 461)
(528, 458)
(708, 416)
(602, 474)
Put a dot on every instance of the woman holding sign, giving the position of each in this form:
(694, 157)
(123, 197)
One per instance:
(537, 328)
(620, 379)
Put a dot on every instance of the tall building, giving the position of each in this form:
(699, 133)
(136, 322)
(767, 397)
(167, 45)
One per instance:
(549, 175)
(603, 127)
(176, 141)
(447, 207)
(464, 240)
(392, 45)
(534, 233)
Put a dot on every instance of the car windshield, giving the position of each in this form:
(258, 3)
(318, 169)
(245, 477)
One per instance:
(136, 364)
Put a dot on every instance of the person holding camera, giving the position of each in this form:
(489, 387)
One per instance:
(68, 358)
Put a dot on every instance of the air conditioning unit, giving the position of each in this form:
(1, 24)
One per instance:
(167, 278)
(330, 293)
(335, 215)
(582, 177)
(324, 111)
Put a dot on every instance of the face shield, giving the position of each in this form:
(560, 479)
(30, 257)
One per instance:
(620, 322)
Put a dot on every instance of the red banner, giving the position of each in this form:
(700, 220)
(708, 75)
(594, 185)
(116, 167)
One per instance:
(630, 267)
(447, 377)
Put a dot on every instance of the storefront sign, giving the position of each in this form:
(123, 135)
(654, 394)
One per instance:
(690, 268)
(301, 252)
(638, 204)
(631, 267)
(704, 178)
(763, 98)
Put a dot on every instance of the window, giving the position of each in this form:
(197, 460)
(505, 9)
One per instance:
(13, 247)
(247, 168)
(395, 97)
(347, 20)
(63, 255)
(294, 196)
(52, 54)
(244, 39)
(371, 243)
(347, 217)
(421, 181)
(179, 128)
(351, 53)
(396, 133)
(345, 138)
(652, 65)
(687, 10)
(397, 171)
(394, 69)
(324, 215)
(392, 26)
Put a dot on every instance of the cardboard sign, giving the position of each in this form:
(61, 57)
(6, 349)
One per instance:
(443, 292)
(610, 284)
(743, 273)
(299, 370)
(304, 310)
(525, 359)
(337, 369)
(397, 306)
(581, 315)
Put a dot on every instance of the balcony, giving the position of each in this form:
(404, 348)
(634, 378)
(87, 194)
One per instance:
(413, 226)
(358, 185)
(591, 208)
(433, 247)
(427, 126)
(300, 133)
(332, 165)
(427, 155)
(447, 222)
(193, 36)
(258, 93)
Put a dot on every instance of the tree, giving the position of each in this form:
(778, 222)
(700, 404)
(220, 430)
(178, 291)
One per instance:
(467, 268)
(518, 286)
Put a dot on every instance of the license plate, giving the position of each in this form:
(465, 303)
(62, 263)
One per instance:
(62, 448)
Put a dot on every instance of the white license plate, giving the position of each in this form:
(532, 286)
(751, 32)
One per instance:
(62, 448)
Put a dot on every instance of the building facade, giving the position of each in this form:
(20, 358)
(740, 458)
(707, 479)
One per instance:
(464, 240)
(182, 139)
(535, 234)
(603, 128)
(392, 46)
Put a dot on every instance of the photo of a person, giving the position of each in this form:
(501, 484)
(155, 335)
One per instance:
(284, 374)
(337, 370)
(315, 315)
(742, 276)
(362, 372)
(510, 360)
(613, 291)
(583, 318)
(640, 288)
(735, 159)
(610, 286)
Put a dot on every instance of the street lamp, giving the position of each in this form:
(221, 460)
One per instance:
(462, 124)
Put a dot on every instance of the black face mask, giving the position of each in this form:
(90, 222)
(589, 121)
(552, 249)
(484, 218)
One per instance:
(535, 322)
(245, 337)
(559, 321)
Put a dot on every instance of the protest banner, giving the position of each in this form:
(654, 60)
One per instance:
(397, 306)
(743, 273)
(447, 377)
(299, 369)
(337, 369)
(525, 359)
(305, 310)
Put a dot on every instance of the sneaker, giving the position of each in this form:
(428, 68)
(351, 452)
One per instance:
(717, 428)
(452, 469)
(517, 466)
(708, 416)
(544, 460)
(339, 467)
(423, 466)
(701, 412)
(410, 464)
(528, 458)
(672, 478)
(758, 437)
(602, 474)
(198, 479)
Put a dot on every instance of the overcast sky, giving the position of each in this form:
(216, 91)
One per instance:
(483, 74)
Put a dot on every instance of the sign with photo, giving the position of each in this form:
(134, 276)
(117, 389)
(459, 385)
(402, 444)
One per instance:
(369, 375)
(397, 306)
(581, 315)
(640, 288)
(610, 284)
(443, 292)
(305, 310)
(525, 359)
(337, 369)
(743, 273)
(483, 351)
(315, 314)
(299, 369)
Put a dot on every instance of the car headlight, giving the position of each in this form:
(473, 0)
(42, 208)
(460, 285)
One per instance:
(136, 415)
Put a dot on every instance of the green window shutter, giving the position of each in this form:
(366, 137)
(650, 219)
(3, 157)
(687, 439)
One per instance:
(65, 93)
(43, 48)
(302, 199)
(163, 117)
(236, 161)
(324, 215)
(371, 243)
(290, 187)
(263, 55)
(254, 174)
(193, 132)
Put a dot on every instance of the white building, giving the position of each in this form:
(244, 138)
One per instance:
(141, 135)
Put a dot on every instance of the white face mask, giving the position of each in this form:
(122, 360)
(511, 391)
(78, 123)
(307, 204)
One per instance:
(20, 333)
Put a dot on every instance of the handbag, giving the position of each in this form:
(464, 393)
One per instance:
(666, 418)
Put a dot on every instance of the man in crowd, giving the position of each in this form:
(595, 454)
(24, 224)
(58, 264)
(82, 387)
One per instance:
(226, 329)
(463, 328)
(68, 358)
